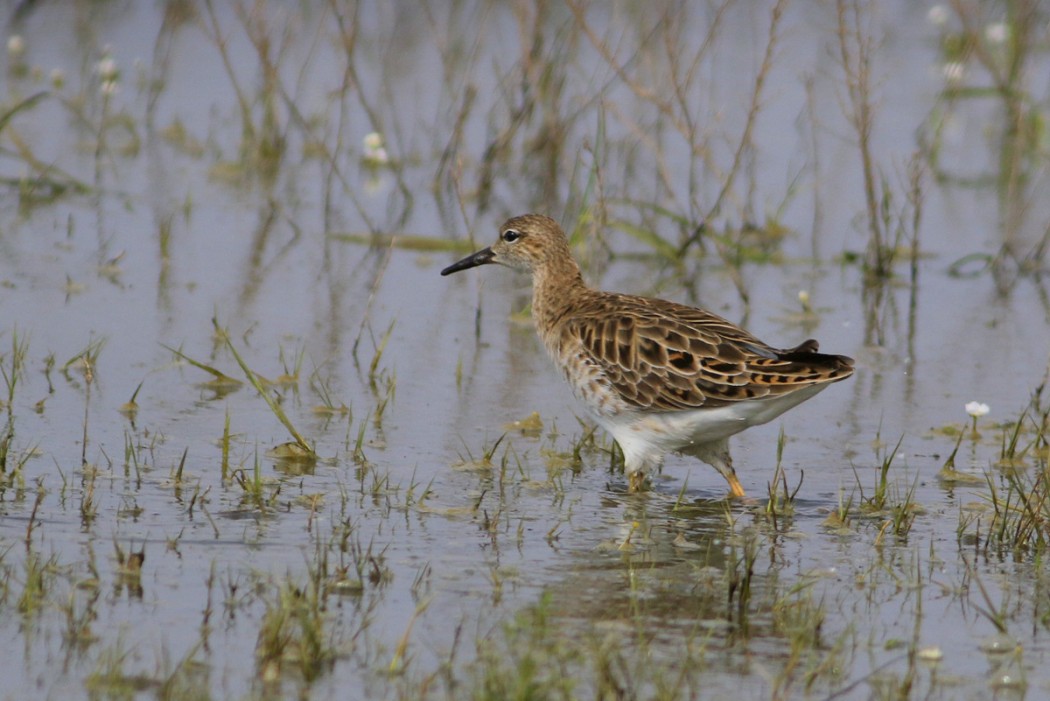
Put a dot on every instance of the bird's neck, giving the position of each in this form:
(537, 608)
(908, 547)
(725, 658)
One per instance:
(555, 288)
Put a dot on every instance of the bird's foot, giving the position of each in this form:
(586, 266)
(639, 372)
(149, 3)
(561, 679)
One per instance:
(735, 489)
(636, 482)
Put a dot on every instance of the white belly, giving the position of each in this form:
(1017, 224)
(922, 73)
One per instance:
(648, 435)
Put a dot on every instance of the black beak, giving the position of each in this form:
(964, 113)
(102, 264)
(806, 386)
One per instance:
(482, 257)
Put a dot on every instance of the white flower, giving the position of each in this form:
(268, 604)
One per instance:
(953, 71)
(977, 409)
(107, 69)
(373, 140)
(16, 46)
(58, 77)
(930, 654)
(938, 15)
(997, 32)
(374, 151)
(803, 300)
(109, 73)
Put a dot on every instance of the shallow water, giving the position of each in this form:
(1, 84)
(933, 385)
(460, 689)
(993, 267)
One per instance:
(441, 575)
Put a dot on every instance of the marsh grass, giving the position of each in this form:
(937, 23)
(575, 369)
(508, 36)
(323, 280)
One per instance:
(221, 382)
(130, 408)
(305, 450)
(688, 213)
(262, 142)
(129, 569)
(321, 385)
(224, 443)
(524, 659)
(800, 618)
(485, 460)
(43, 183)
(949, 472)
(880, 496)
(79, 635)
(112, 677)
(12, 367)
(739, 574)
(254, 487)
(780, 503)
(994, 71)
(292, 633)
(856, 55)
(1016, 447)
(1018, 488)
(549, 652)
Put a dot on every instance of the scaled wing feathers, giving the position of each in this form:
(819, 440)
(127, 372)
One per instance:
(665, 356)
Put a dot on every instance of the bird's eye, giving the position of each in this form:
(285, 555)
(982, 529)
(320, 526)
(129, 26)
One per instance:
(510, 235)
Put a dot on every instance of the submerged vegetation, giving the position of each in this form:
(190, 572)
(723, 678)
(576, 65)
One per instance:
(367, 478)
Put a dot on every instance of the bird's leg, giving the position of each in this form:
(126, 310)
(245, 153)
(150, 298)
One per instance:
(724, 464)
(735, 489)
(638, 465)
(636, 481)
(717, 456)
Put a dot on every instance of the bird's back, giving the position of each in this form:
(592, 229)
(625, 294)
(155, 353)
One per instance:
(660, 355)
